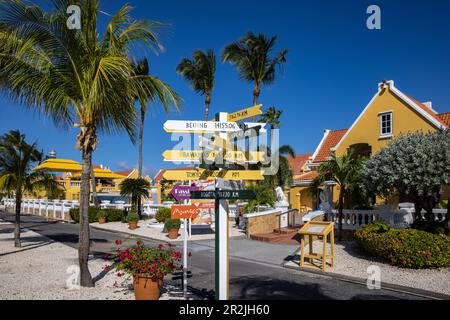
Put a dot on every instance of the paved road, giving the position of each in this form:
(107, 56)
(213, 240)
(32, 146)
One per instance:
(249, 279)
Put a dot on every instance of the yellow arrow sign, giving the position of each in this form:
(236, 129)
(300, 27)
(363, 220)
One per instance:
(195, 155)
(245, 113)
(183, 175)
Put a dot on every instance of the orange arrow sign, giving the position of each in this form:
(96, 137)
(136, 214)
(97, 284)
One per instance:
(184, 212)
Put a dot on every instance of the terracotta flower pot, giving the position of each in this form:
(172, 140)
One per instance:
(146, 288)
(173, 233)
(132, 225)
(101, 220)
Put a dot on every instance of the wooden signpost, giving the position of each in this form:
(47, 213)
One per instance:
(227, 182)
(201, 174)
(196, 155)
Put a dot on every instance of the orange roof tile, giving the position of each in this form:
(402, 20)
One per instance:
(307, 176)
(298, 162)
(331, 140)
(429, 111)
(445, 118)
(125, 173)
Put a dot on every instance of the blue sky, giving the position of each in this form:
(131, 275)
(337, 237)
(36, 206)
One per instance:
(335, 64)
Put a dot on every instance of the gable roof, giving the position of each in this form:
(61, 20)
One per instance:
(420, 108)
(329, 141)
(298, 162)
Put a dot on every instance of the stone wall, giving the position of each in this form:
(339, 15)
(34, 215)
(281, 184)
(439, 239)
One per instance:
(262, 223)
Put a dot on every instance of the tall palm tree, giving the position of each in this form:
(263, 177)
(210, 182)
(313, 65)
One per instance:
(17, 158)
(76, 77)
(136, 189)
(343, 170)
(272, 117)
(156, 89)
(200, 73)
(252, 56)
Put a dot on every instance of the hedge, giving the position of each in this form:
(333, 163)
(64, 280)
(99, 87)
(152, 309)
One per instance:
(407, 248)
(112, 215)
(162, 214)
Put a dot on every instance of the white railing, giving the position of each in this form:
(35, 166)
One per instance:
(52, 209)
(354, 219)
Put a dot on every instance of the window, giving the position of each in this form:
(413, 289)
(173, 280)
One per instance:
(386, 124)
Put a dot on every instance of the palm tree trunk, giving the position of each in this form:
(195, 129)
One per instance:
(94, 187)
(17, 243)
(256, 92)
(141, 136)
(84, 239)
(340, 212)
(207, 104)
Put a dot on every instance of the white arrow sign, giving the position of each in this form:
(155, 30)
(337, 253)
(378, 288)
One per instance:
(200, 126)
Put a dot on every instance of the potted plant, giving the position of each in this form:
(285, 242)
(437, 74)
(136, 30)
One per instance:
(101, 217)
(132, 219)
(173, 226)
(147, 266)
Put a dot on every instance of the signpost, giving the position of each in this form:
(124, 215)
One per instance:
(228, 183)
(200, 126)
(245, 113)
(196, 155)
(201, 174)
(184, 211)
(181, 193)
(224, 194)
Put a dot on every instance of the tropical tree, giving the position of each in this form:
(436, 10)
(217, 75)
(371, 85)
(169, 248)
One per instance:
(136, 189)
(17, 159)
(76, 77)
(415, 166)
(252, 57)
(153, 89)
(272, 117)
(343, 170)
(200, 72)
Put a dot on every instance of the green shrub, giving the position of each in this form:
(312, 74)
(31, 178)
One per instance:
(172, 224)
(408, 248)
(101, 214)
(75, 214)
(162, 214)
(132, 216)
(111, 215)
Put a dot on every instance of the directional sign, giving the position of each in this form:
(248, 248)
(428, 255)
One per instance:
(184, 212)
(200, 126)
(181, 193)
(196, 155)
(245, 113)
(224, 194)
(184, 175)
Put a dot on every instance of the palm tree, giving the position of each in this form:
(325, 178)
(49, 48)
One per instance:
(343, 170)
(200, 73)
(76, 77)
(272, 117)
(158, 90)
(17, 158)
(136, 189)
(251, 55)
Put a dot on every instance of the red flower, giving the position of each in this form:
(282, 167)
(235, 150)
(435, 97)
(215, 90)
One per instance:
(118, 242)
(170, 245)
(115, 284)
(160, 246)
(189, 254)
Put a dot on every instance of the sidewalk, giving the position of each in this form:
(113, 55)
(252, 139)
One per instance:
(352, 262)
(42, 270)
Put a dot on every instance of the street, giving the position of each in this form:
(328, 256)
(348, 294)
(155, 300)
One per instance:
(249, 278)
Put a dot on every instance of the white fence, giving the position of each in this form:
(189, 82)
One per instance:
(59, 209)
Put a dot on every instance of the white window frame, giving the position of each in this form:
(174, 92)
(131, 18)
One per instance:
(389, 134)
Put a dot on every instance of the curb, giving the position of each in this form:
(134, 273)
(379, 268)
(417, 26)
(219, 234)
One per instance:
(384, 285)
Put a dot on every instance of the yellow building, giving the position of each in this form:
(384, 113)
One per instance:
(107, 181)
(389, 114)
